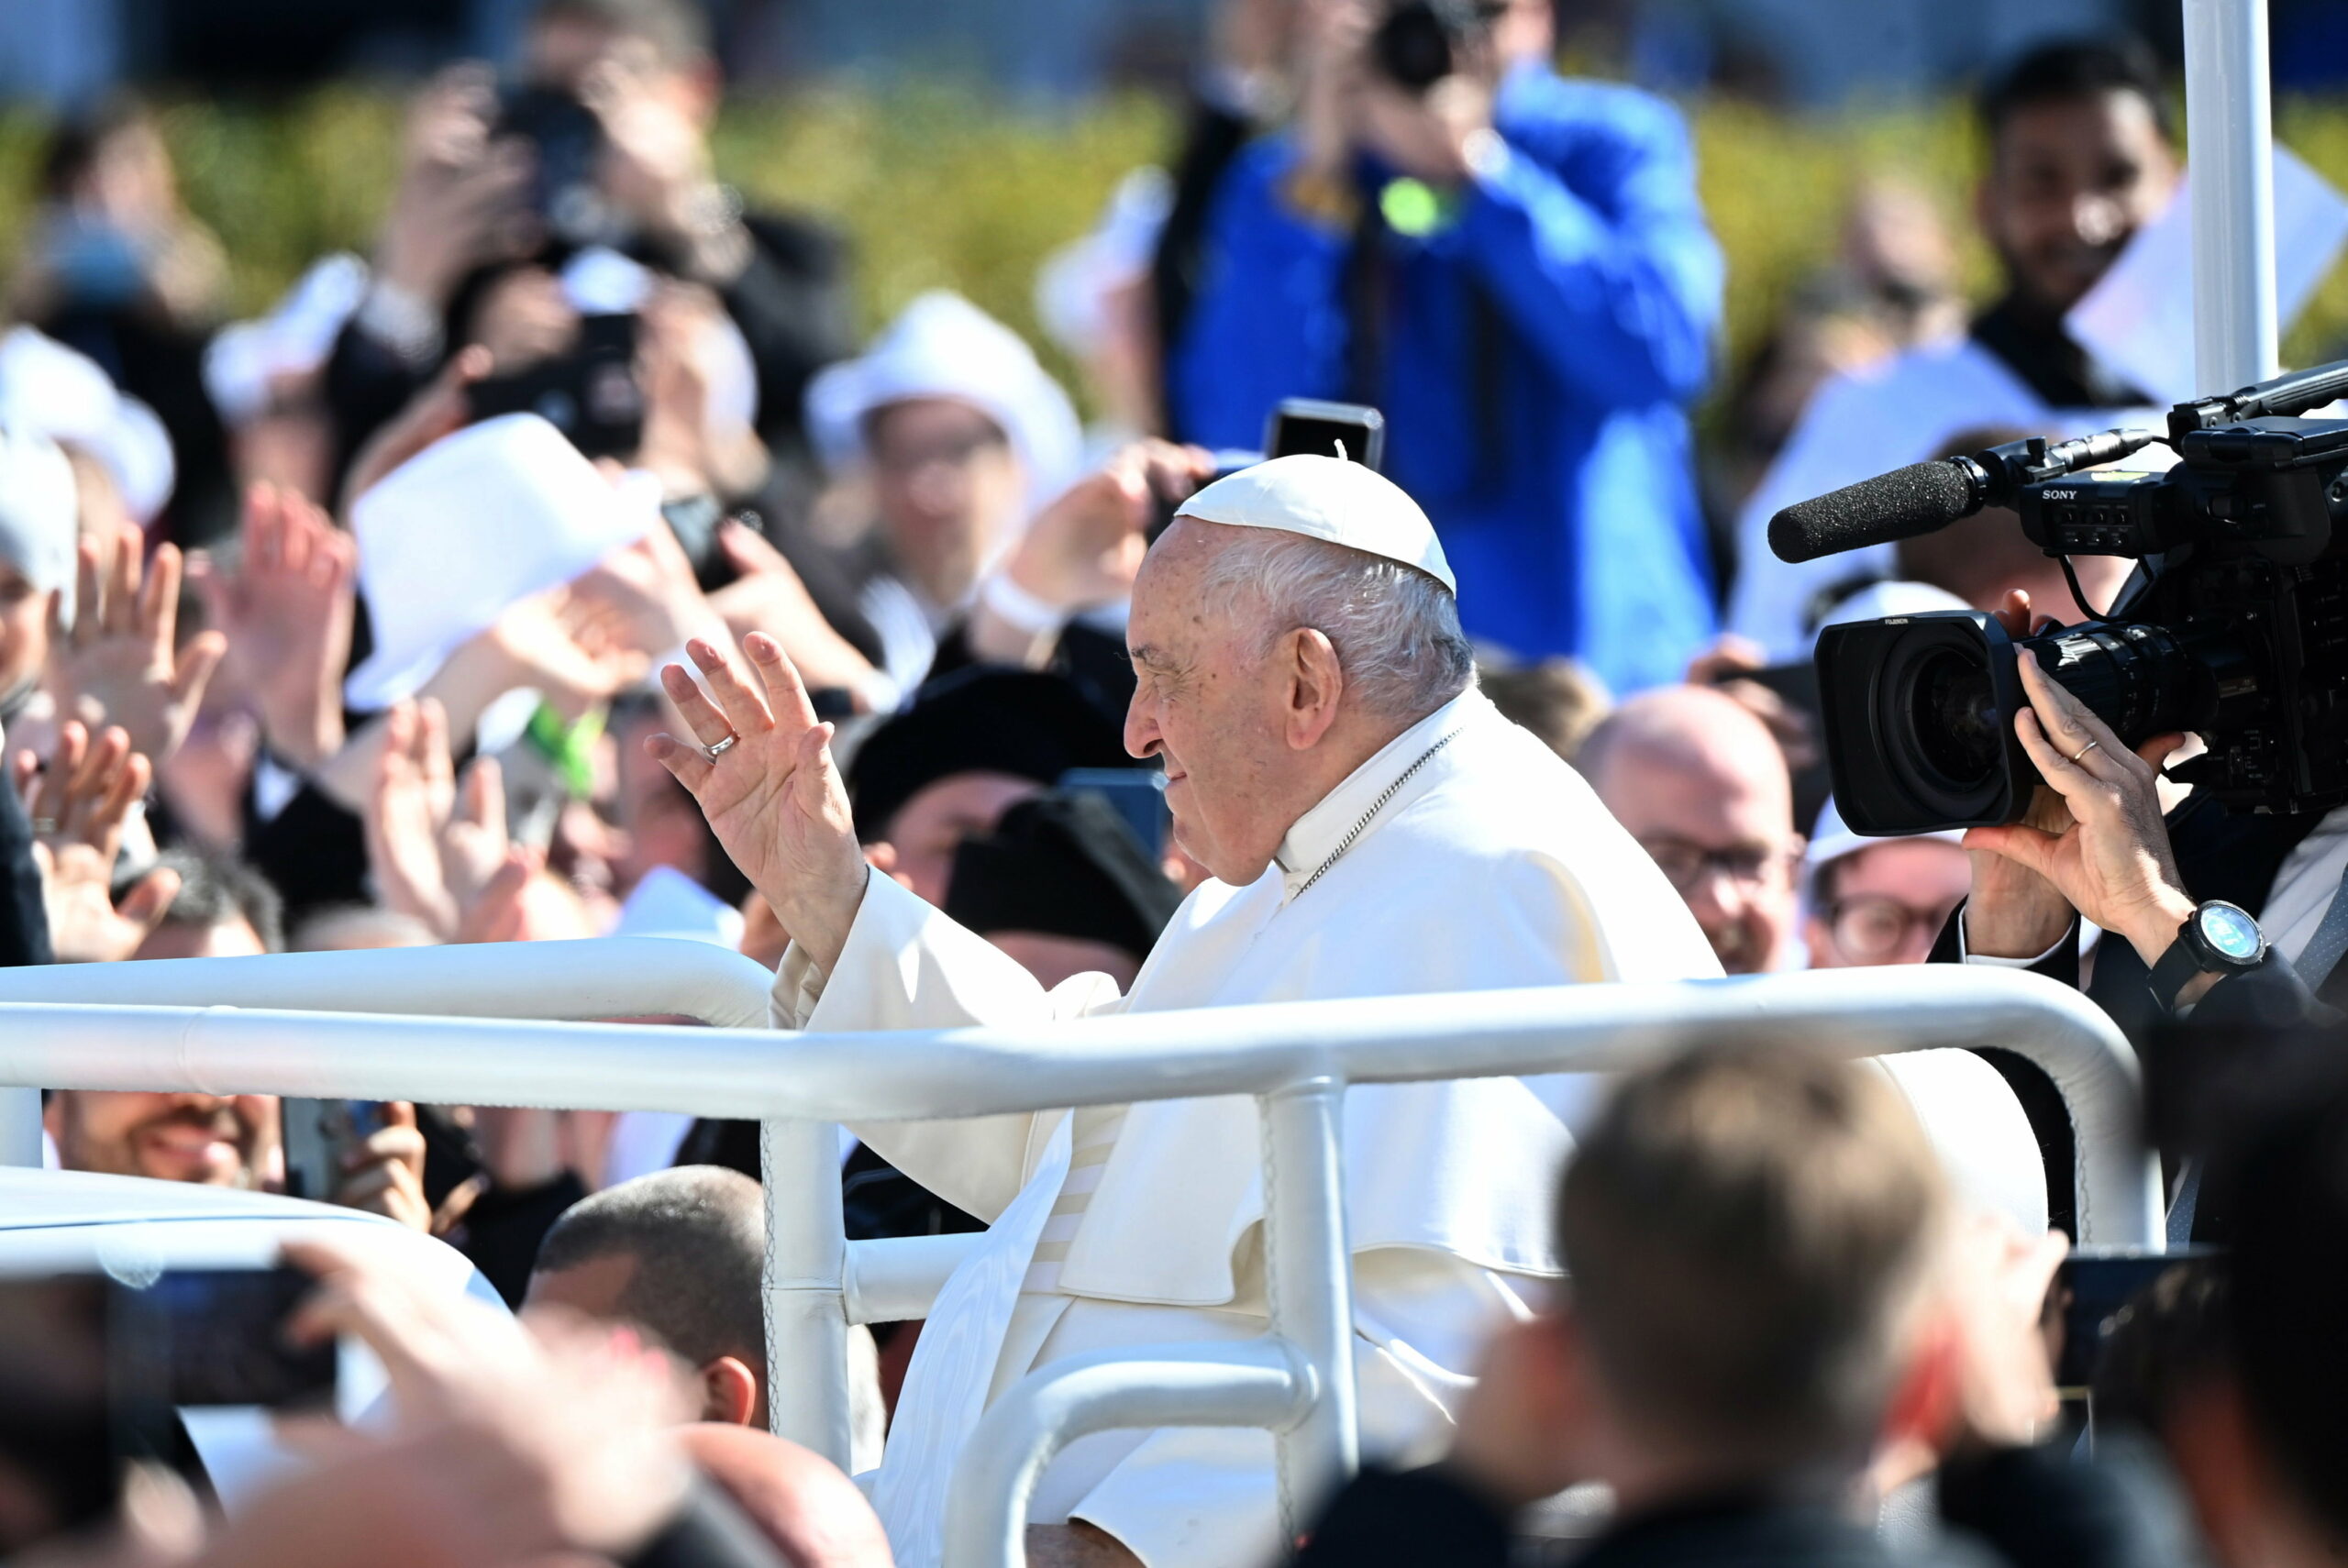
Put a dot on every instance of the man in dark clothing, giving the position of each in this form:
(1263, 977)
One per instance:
(625, 90)
(1767, 1299)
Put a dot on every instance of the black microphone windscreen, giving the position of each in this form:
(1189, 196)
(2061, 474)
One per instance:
(1898, 505)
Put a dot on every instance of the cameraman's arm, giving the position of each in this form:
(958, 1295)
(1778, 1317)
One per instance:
(1617, 284)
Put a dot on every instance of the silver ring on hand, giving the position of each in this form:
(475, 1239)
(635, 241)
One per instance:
(721, 748)
(2075, 756)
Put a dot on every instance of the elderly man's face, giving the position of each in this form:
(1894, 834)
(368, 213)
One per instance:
(1207, 702)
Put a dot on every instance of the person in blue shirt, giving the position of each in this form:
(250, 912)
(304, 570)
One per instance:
(1516, 268)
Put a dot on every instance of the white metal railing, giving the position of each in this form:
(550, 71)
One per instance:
(1295, 1058)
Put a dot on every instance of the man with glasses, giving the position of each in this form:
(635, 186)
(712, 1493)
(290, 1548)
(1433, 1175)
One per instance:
(1878, 900)
(1702, 786)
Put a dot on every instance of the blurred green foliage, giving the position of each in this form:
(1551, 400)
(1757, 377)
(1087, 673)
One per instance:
(943, 187)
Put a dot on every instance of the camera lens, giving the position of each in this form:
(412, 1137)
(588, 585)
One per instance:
(1953, 716)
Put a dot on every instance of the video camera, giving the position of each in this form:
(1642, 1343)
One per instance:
(2235, 625)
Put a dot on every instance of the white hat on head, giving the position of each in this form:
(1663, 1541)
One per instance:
(942, 346)
(1834, 839)
(1329, 499)
(51, 390)
(40, 514)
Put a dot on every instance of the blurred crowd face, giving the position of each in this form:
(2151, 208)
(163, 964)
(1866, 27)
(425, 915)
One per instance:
(2069, 182)
(216, 1141)
(949, 488)
(1890, 902)
(918, 848)
(1703, 788)
(24, 630)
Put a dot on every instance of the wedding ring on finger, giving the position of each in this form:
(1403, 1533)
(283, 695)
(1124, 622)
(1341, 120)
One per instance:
(2074, 757)
(721, 748)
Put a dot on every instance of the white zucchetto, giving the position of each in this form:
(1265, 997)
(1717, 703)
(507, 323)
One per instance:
(1329, 499)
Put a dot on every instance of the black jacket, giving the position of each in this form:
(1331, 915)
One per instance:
(2028, 1508)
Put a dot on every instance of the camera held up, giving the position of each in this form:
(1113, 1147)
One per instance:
(2234, 627)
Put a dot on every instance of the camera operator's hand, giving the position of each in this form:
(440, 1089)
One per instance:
(1335, 34)
(656, 169)
(384, 1172)
(2012, 912)
(2112, 861)
(1433, 135)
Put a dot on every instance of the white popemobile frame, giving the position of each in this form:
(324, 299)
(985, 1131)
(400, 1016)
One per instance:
(291, 1024)
(179, 1025)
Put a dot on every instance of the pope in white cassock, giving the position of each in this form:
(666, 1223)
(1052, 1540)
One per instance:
(1375, 827)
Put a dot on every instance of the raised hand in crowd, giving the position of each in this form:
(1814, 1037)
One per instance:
(641, 599)
(463, 198)
(1083, 550)
(688, 439)
(2093, 840)
(506, 1446)
(383, 1172)
(286, 609)
(439, 850)
(768, 596)
(121, 662)
(772, 794)
(656, 169)
(79, 803)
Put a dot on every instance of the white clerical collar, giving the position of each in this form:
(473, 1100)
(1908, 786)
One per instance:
(1315, 836)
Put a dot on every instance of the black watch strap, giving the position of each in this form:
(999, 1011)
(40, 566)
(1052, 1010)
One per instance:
(2175, 970)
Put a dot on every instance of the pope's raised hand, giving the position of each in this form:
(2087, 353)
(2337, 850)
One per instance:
(770, 791)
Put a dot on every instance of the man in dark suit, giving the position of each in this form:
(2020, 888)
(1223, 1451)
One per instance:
(1773, 1312)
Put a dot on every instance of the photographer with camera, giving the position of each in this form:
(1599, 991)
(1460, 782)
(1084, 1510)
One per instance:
(1516, 268)
(602, 141)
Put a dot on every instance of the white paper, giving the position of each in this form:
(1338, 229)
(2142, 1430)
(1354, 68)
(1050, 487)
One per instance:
(2138, 320)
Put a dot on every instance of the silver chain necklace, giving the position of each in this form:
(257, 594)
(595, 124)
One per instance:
(1374, 806)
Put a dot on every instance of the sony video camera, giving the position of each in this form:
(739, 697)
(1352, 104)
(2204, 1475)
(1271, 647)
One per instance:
(2234, 626)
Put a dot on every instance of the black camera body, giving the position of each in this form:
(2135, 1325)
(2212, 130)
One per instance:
(566, 139)
(1419, 42)
(2235, 628)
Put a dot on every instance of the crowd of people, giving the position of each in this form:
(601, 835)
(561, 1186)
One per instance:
(564, 567)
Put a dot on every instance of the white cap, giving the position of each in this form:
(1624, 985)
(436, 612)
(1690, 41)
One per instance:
(470, 525)
(49, 390)
(1834, 839)
(1329, 499)
(942, 346)
(40, 514)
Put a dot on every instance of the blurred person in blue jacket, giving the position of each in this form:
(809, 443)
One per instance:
(1516, 268)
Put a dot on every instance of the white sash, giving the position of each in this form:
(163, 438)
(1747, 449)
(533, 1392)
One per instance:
(953, 1363)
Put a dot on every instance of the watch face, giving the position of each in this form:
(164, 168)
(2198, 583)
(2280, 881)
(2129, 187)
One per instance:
(2229, 931)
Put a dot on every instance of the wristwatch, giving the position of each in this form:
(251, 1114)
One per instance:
(2217, 938)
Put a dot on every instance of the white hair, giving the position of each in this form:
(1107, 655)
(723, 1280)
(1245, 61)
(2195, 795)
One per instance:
(1395, 628)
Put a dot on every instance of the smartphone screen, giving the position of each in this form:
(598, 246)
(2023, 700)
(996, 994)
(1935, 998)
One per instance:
(206, 1337)
(1303, 425)
(1136, 794)
(2095, 1291)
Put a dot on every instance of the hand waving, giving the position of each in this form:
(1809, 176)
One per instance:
(771, 794)
(122, 664)
(79, 805)
(287, 612)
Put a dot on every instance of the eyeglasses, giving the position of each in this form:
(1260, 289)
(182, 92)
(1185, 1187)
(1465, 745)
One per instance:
(1873, 929)
(955, 450)
(1686, 864)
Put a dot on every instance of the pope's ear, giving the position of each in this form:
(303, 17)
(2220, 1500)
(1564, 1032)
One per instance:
(1316, 683)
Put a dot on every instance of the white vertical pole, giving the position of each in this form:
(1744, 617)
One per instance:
(1309, 1272)
(806, 1313)
(20, 1127)
(2232, 153)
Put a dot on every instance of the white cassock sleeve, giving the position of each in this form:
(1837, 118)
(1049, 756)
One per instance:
(907, 967)
(1208, 1497)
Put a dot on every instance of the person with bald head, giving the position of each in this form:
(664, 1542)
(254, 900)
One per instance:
(1702, 786)
(1374, 827)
